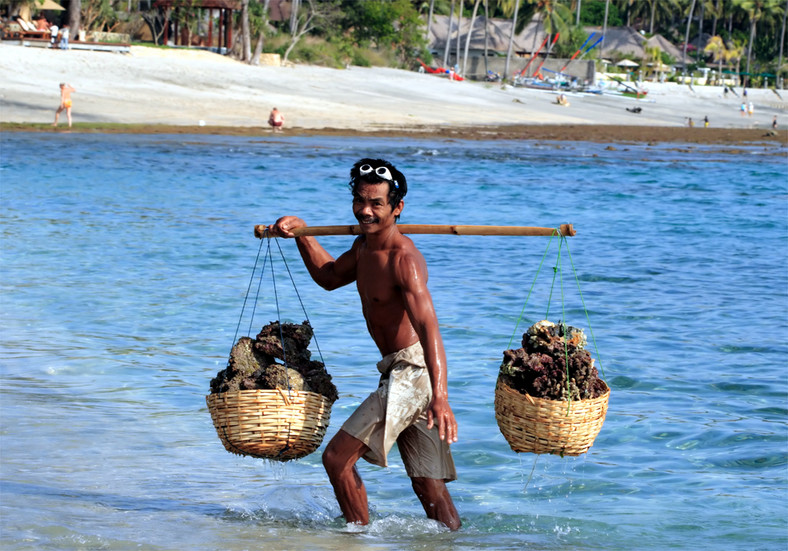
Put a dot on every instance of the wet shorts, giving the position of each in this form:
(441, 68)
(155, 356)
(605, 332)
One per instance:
(397, 412)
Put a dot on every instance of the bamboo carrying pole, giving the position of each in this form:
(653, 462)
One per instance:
(446, 229)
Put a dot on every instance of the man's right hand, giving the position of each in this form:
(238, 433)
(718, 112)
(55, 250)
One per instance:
(284, 226)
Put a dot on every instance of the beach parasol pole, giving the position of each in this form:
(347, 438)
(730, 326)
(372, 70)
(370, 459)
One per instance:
(260, 230)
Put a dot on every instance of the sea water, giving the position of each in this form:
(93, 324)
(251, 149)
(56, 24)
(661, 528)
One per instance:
(125, 266)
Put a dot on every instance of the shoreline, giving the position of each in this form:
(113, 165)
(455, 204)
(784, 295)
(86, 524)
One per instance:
(181, 91)
(614, 134)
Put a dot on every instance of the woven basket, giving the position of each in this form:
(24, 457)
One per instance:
(270, 424)
(537, 425)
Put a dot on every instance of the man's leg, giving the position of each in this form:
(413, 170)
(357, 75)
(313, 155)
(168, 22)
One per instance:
(339, 459)
(437, 502)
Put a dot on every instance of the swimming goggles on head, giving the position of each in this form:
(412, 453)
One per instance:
(382, 172)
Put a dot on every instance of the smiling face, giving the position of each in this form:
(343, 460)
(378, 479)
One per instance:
(372, 209)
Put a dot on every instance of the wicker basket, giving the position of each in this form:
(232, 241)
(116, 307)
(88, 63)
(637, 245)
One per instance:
(537, 425)
(270, 424)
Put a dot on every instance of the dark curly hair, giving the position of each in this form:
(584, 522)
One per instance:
(398, 185)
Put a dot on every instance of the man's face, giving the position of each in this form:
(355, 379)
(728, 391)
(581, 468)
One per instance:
(372, 209)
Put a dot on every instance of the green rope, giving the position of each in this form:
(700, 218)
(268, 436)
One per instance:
(555, 273)
(585, 310)
(565, 329)
(519, 319)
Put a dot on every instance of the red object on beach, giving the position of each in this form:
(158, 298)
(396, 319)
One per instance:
(431, 70)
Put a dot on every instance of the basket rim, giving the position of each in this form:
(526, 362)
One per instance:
(276, 391)
(604, 396)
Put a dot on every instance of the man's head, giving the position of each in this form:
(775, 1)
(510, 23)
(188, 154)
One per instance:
(376, 171)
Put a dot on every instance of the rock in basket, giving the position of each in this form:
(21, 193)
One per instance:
(270, 424)
(537, 425)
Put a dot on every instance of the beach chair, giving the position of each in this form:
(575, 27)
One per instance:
(29, 29)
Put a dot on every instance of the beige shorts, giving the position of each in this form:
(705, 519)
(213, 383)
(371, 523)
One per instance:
(397, 412)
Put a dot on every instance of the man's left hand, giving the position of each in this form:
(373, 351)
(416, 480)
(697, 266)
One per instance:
(439, 411)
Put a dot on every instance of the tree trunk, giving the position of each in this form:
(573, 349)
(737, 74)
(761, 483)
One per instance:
(246, 35)
(653, 14)
(604, 28)
(780, 79)
(429, 19)
(577, 17)
(749, 46)
(459, 30)
(258, 50)
(468, 38)
(511, 41)
(686, 35)
(700, 29)
(448, 36)
(74, 18)
(487, 21)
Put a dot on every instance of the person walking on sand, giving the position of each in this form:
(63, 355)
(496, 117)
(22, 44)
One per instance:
(65, 103)
(750, 109)
(276, 120)
(411, 403)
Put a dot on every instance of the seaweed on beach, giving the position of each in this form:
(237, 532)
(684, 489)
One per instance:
(252, 364)
(548, 353)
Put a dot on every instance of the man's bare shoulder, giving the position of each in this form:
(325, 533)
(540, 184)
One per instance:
(408, 261)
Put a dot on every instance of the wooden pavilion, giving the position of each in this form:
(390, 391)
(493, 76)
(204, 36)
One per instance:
(225, 8)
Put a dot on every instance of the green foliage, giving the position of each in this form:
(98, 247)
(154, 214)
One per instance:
(570, 41)
(387, 24)
(593, 14)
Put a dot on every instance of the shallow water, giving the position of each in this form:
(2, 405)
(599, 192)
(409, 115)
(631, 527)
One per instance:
(126, 259)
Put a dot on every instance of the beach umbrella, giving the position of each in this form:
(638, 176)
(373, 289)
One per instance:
(49, 5)
(626, 63)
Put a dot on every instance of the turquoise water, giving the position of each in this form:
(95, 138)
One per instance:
(126, 259)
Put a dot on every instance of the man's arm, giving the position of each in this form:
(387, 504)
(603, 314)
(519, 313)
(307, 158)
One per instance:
(411, 276)
(327, 272)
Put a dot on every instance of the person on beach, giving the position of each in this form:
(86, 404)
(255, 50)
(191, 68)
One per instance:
(65, 103)
(42, 24)
(706, 121)
(53, 32)
(276, 120)
(64, 38)
(774, 123)
(411, 403)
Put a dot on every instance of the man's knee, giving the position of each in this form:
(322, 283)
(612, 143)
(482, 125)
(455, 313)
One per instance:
(342, 452)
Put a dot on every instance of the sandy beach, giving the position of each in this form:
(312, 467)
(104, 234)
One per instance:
(167, 90)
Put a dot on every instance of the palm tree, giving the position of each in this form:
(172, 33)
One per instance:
(756, 9)
(669, 6)
(716, 47)
(735, 53)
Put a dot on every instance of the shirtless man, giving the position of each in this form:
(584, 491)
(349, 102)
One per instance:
(276, 120)
(65, 102)
(411, 405)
